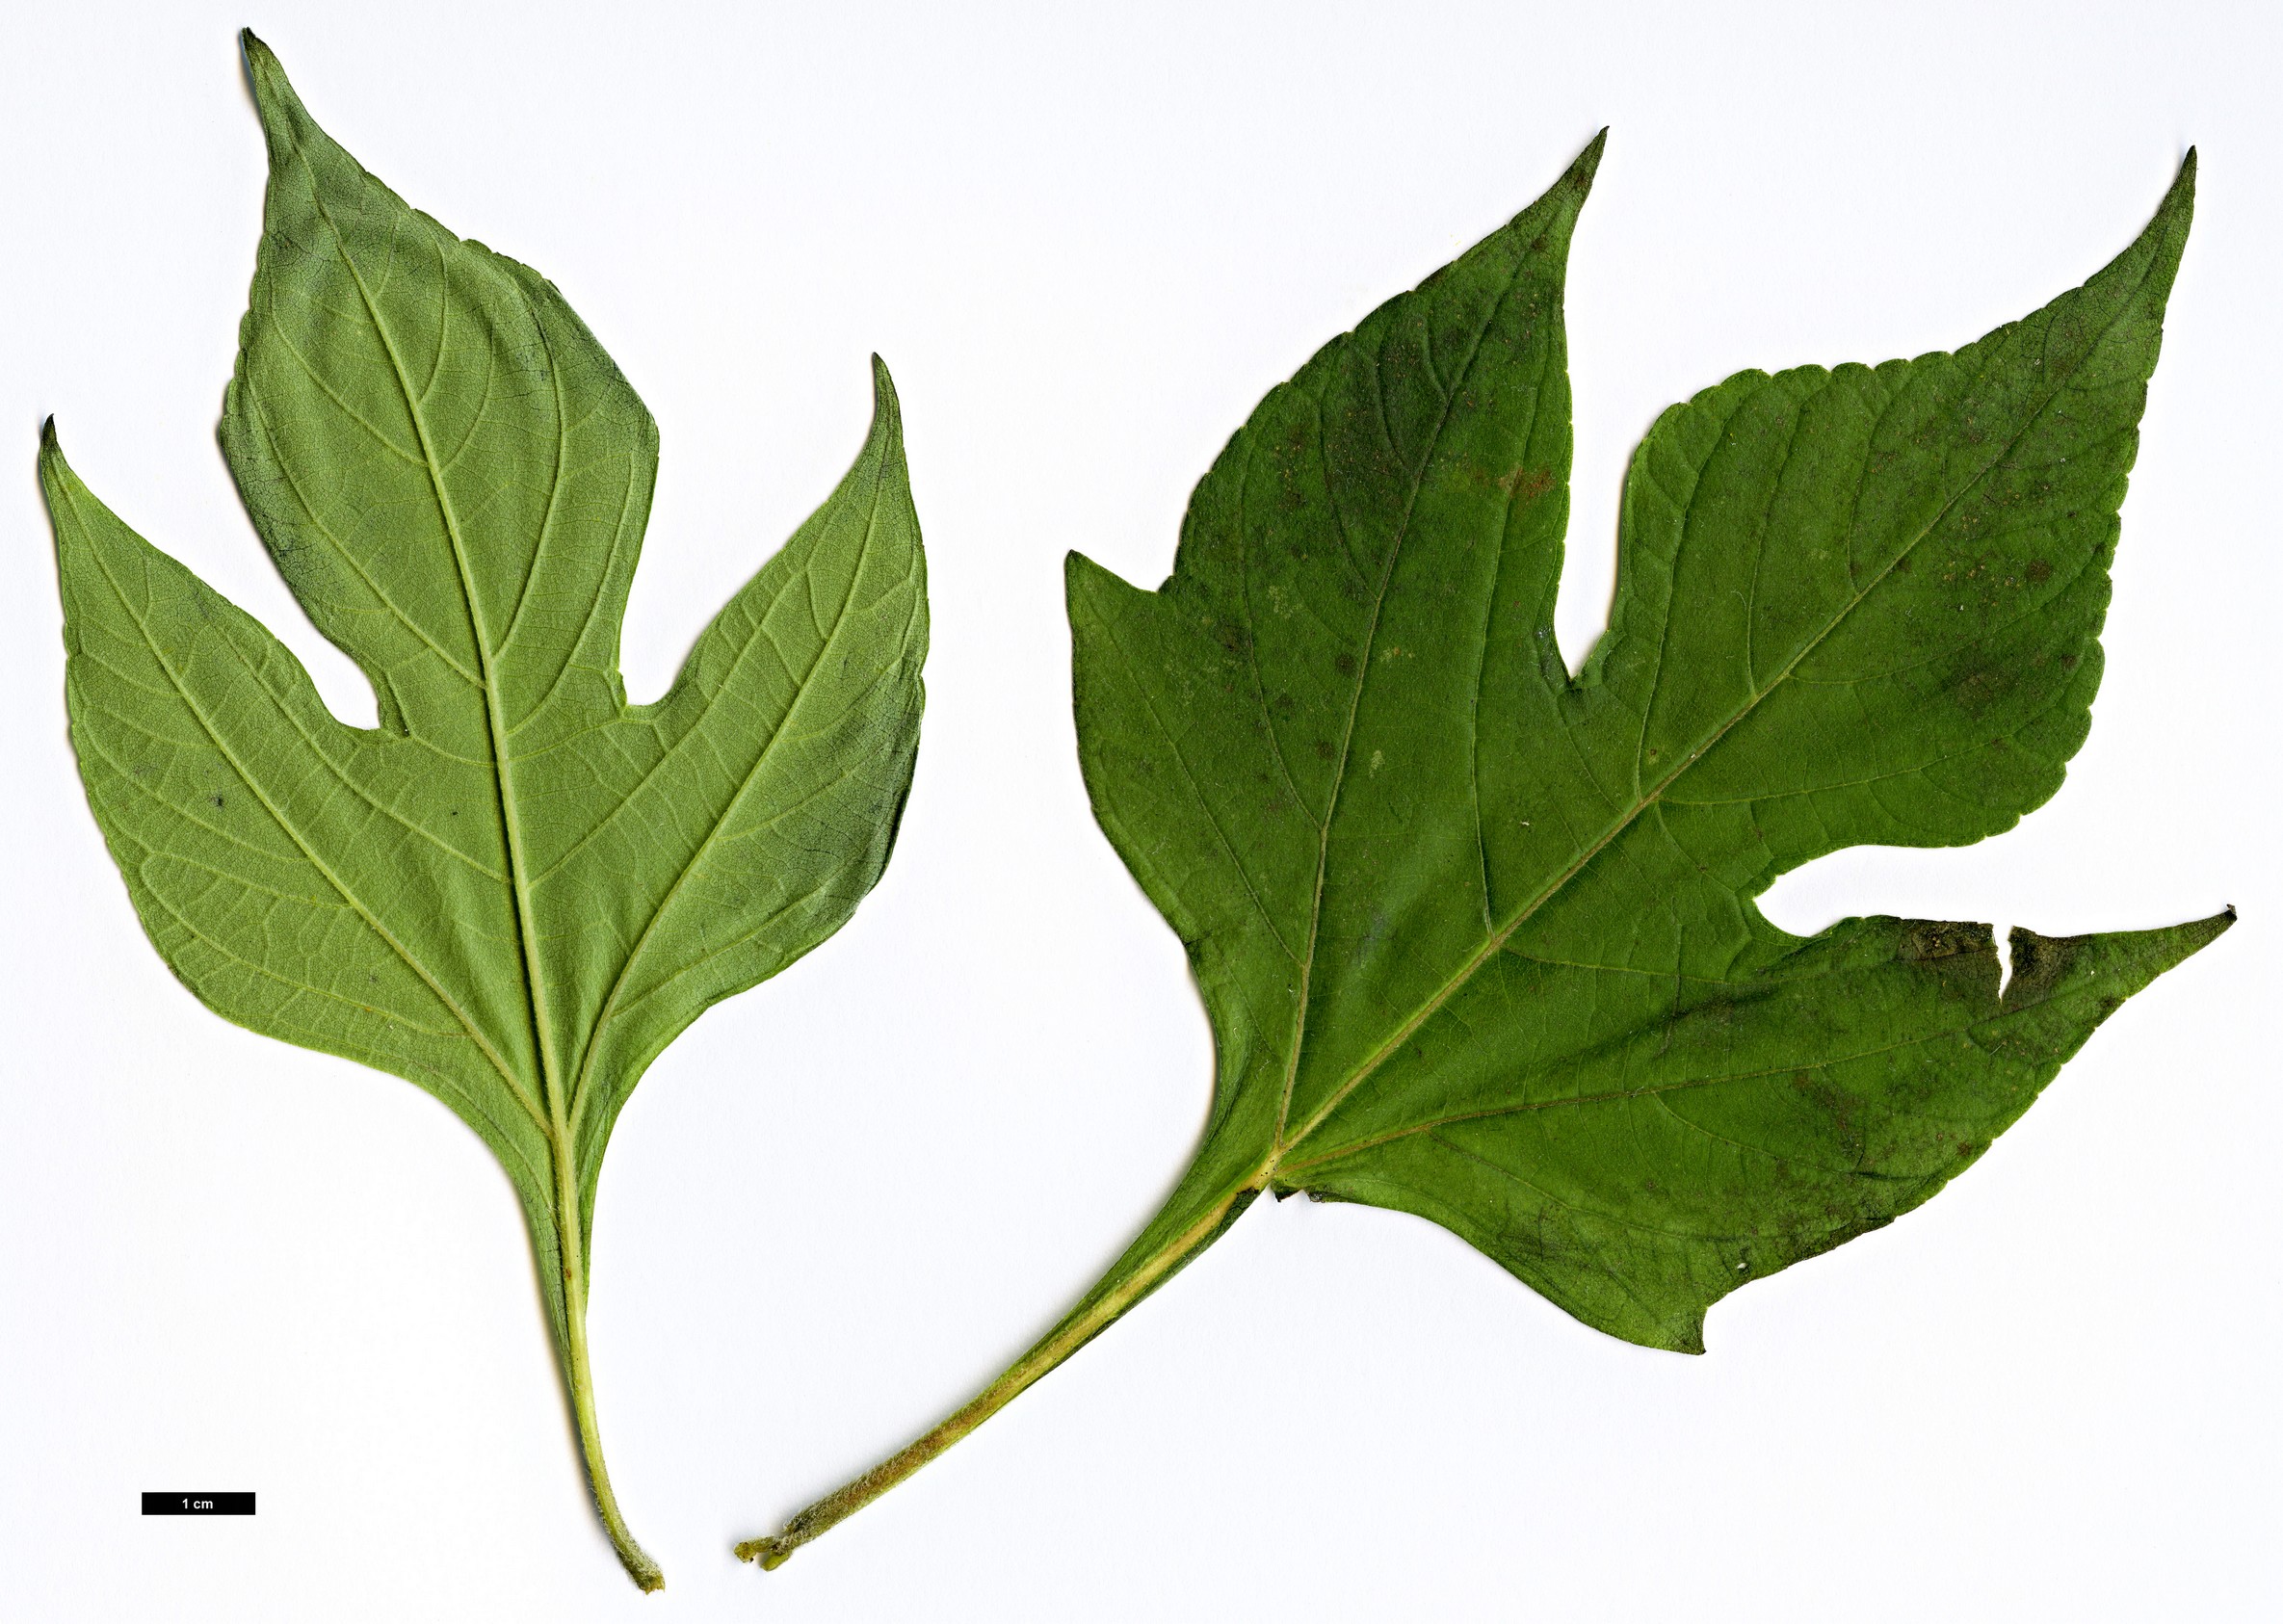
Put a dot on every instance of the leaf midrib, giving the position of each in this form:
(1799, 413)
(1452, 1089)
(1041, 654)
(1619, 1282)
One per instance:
(1402, 534)
(1649, 1091)
(535, 995)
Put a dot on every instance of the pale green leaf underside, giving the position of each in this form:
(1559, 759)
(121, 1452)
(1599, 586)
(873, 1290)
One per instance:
(1479, 941)
(517, 888)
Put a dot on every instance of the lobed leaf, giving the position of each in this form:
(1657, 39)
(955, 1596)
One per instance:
(518, 888)
(1478, 942)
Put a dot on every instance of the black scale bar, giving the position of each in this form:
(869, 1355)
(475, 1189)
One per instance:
(211, 1503)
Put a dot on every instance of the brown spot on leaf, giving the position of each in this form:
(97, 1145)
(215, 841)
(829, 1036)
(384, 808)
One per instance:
(2040, 964)
(1925, 939)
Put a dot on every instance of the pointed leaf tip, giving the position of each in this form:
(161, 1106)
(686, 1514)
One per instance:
(260, 60)
(273, 98)
(2179, 199)
(1583, 168)
(887, 410)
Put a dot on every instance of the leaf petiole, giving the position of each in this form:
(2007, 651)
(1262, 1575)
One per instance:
(1095, 1314)
(579, 1378)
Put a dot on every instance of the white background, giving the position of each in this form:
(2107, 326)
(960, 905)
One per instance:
(1087, 244)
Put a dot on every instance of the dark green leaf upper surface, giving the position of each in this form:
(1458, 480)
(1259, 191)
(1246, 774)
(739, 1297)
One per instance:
(1479, 941)
(518, 888)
